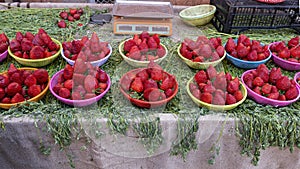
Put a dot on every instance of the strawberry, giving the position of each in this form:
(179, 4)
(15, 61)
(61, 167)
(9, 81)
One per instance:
(156, 38)
(26, 45)
(234, 54)
(211, 72)
(293, 42)
(282, 97)
(230, 45)
(258, 81)
(18, 54)
(2, 93)
(80, 89)
(220, 50)
(256, 45)
(89, 95)
(291, 93)
(90, 83)
(136, 39)
(233, 86)
(274, 89)
(34, 90)
(218, 100)
(190, 44)
(228, 77)
(275, 74)
(285, 53)
(80, 67)
(77, 16)
(101, 76)
(72, 11)
(156, 74)
(292, 60)
(283, 83)
(263, 72)
(103, 86)
(214, 42)
(206, 51)
(14, 45)
(76, 46)
(52, 46)
(220, 81)
(25, 55)
(167, 83)
(160, 51)
(238, 95)
(261, 56)
(242, 50)
(198, 59)
(57, 87)
(244, 39)
(187, 54)
(3, 47)
(134, 53)
(76, 96)
(152, 94)
(68, 84)
(201, 77)
(273, 95)
(193, 86)
(252, 56)
(6, 100)
(150, 83)
(63, 14)
(196, 93)
(41, 76)
(13, 88)
(12, 69)
(295, 52)
(37, 52)
(17, 98)
(4, 81)
(64, 93)
(68, 72)
(3, 38)
(37, 41)
(206, 97)
(219, 92)
(257, 90)
(144, 35)
(152, 43)
(70, 18)
(208, 88)
(137, 85)
(266, 88)
(230, 99)
(19, 36)
(169, 93)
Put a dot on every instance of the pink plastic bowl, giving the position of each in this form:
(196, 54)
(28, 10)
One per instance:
(264, 100)
(297, 75)
(77, 103)
(288, 65)
(3, 56)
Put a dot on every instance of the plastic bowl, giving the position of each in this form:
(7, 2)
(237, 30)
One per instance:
(297, 75)
(264, 100)
(213, 106)
(37, 62)
(285, 64)
(3, 56)
(77, 103)
(96, 63)
(198, 15)
(35, 99)
(142, 103)
(199, 65)
(136, 63)
(247, 64)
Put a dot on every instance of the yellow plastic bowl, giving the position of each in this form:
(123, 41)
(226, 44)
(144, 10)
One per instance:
(213, 106)
(198, 15)
(199, 65)
(37, 62)
(35, 99)
(136, 63)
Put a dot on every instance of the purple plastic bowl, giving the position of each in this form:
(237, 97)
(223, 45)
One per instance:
(264, 100)
(76, 103)
(297, 75)
(3, 56)
(288, 65)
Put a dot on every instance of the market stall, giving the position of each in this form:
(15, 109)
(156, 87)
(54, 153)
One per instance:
(106, 130)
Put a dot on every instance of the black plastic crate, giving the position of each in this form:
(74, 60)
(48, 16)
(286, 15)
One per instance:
(234, 16)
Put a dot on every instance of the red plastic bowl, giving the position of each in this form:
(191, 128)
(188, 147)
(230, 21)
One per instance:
(288, 65)
(3, 56)
(142, 103)
(77, 103)
(264, 100)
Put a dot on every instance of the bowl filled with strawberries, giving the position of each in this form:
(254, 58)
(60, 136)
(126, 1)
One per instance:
(270, 87)
(287, 56)
(216, 90)
(4, 43)
(34, 50)
(149, 87)
(80, 85)
(90, 50)
(202, 53)
(22, 84)
(142, 48)
(245, 53)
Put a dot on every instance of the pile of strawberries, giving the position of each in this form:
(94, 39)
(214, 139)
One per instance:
(245, 49)
(203, 49)
(144, 47)
(216, 88)
(85, 48)
(149, 84)
(290, 52)
(81, 81)
(20, 85)
(31, 46)
(73, 14)
(271, 84)
(4, 43)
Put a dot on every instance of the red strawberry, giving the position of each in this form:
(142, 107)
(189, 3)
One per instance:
(220, 50)
(201, 77)
(70, 18)
(3, 47)
(17, 98)
(3, 38)
(295, 52)
(282, 97)
(41, 76)
(53, 46)
(257, 90)
(220, 81)
(62, 24)
(234, 54)
(72, 11)
(57, 87)
(275, 74)
(152, 94)
(211, 72)
(293, 42)
(6, 100)
(80, 67)
(64, 93)
(34, 90)
(266, 88)
(29, 36)
(291, 93)
(13, 88)
(169, 92)
(230, 99)
(283, 83)
(242, 50)
(63, 15)
(80, 89)
(219, 92)
(68, 84)
(238, 95)
(208, 88)
(292, 60)
(144, 35)
(89, 95)
(30, 80)
(103, 86)
(263, 72)
(156, 38)
(137, 85)
(218, 100)
(2, 93)
(18, 54)
(256, 45)
(134, 53)
(285, 53)
(152, 43)
(12, 69)
(128, 45)
(167, 83)
(228, 77)
(214, 42)
(252, 56)
(230, 45)
(273, 96)
(196, 93)
(198, 59)
(258, 81)
(150, 83)
(101, 76)
(206, 97)
(14, 45)
(274, 89)
(261, 56)
(26, 45)
(206, 51)
(143, 46)
(160, 51)
(233, 86)
(37, 41)
(76, 96)
(76, 46)
(68, 72)
(37, 52)
(90, 83)
(77, 16)
(156, 74)
(19, 36)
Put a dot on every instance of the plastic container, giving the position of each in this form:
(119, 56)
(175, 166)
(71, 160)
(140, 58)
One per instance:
(3, 56)
(198, 15)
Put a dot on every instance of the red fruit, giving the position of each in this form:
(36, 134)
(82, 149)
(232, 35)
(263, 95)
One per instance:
(266, 88)
(258, 81)
(17, 98)
(241, 38)
(80, 67)
(167, 83)
(128, 45)
(160, 51)
(80, 89)
(206, 97)
(72, 11)
(293, 42)
(144, 35)
(64, 93)
(295, 52)
(214, 42)
(156, 38)
(76, 96)
(2, 93)
(198, 59)
(211, 72)
(30, 80)
(89, 95)
(80, 11)
(274, 89)
(34, 90)
(137, 85)
(228, 77)
(68, 84)
(282, 98)
(152, 43)
(70, 18)
(275, 74)
(152, 94)
(220, 50)
(14, 45)
(6, 100)
(208, 88)
(285, 53)
(256, 45)
(196, 93)
(242, 50)
(3, 47)
(103, 86)
(252, 56)
(206, 51)
(4, 81)
(234, 54)
(257, 90)
(201, 77)
(53, 46)
(76, 47)
(233, 86)
(220, 81)
(37, 52)
(238, 95)
(263, 72)
(41, 76)
(63, 15)
(169, 92)
(134, 53)
(273, 96)
(292, 60)
(62, 24)
(3, 38)
(77, 16)
(218, 100)
(90, 83)
(13, 88)
(18, 54)
(150, 83)
(29, 36)
(261, 56)
(26, 45)
(230, 99)
(156, 74)
(230, 45)
(57, 87)
(19, 36)
(68, 72)
(291, 93)
(283, 83)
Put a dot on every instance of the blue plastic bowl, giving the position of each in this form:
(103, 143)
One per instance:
(247, 64)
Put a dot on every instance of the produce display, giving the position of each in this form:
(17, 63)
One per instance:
(18, 85)
(4, 43)
(246, 49)
(203, 49)
(289, 51)
(71, 15)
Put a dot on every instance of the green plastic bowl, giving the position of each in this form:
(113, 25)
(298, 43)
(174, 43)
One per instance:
(198, 15)
(37, 62)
